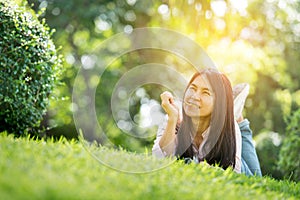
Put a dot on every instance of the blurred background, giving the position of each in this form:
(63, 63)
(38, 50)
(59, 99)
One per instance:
(255, 41)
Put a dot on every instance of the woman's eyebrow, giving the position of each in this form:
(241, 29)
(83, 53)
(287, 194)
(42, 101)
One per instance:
(203, 89)
(194, 85)
(206, 89)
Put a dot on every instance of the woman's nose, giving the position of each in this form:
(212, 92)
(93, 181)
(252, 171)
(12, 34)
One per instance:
(197, 96)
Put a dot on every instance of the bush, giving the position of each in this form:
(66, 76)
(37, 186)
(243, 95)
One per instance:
(268, 146)
(29, 68)
(289, 157)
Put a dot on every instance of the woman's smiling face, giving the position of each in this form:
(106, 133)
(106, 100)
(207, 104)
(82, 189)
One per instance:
(199, 98)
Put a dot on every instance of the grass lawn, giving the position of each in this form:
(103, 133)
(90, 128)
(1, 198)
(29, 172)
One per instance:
(41, 169)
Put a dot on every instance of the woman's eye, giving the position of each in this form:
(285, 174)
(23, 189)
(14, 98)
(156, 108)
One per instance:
(192, 88)
(207, 93)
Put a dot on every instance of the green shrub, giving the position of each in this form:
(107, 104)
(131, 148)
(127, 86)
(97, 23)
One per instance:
(289, 157)
(29, 68)
(268, 146)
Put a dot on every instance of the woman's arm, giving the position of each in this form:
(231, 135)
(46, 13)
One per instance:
(165, 142)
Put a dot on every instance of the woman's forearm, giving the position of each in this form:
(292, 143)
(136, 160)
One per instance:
(167, 141)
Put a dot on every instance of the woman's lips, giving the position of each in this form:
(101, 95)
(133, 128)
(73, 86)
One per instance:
(192, 104)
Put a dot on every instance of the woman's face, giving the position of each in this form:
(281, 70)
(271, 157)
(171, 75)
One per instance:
(199, 98)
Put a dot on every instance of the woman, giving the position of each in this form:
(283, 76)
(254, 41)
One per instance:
(207, 130)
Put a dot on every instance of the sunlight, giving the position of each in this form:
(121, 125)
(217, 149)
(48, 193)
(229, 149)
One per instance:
(219, 8)
(163, 9)
(150, 113)
(220, 24)
(240, 5)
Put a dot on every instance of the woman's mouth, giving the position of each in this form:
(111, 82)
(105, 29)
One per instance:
(192, 104)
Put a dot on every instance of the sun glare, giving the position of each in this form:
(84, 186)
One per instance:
(240, 5)
(219, 8)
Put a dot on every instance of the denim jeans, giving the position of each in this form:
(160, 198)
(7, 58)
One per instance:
(250, 162)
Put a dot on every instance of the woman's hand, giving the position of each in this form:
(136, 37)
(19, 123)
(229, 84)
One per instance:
(168, 104)
(168, 140)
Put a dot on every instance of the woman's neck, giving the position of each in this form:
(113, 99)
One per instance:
(200, 125)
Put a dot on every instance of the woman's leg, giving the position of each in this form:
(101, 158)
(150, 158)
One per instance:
(250, 162)
(245, 169)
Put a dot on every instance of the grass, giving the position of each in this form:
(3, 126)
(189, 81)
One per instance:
(31, 169)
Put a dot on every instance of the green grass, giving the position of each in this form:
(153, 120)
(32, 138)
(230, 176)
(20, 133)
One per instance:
(32, 169)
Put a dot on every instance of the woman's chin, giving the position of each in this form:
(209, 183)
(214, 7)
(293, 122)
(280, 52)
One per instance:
(192, 111)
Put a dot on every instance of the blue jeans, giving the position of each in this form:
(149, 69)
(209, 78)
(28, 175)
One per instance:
(250, 162)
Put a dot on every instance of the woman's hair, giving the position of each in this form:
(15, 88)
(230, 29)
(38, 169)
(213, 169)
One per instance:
(220, 145)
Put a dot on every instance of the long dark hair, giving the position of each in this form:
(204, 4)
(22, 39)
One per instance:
(220, 145)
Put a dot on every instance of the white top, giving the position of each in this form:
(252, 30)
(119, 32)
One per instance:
(157, 151)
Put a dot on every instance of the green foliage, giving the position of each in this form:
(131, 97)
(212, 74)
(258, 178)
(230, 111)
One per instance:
(289, 157)
(256, 42)
(65, 170)
(267, 148)
(29, 68)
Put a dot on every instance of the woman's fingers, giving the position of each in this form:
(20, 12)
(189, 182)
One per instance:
(167, 97)
(168, 104)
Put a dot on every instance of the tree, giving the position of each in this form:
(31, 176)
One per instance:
(30, 67)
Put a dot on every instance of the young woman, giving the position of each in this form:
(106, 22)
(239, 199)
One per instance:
(207, 129)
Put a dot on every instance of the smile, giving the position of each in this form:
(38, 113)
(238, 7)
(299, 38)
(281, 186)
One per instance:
(192, 104)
